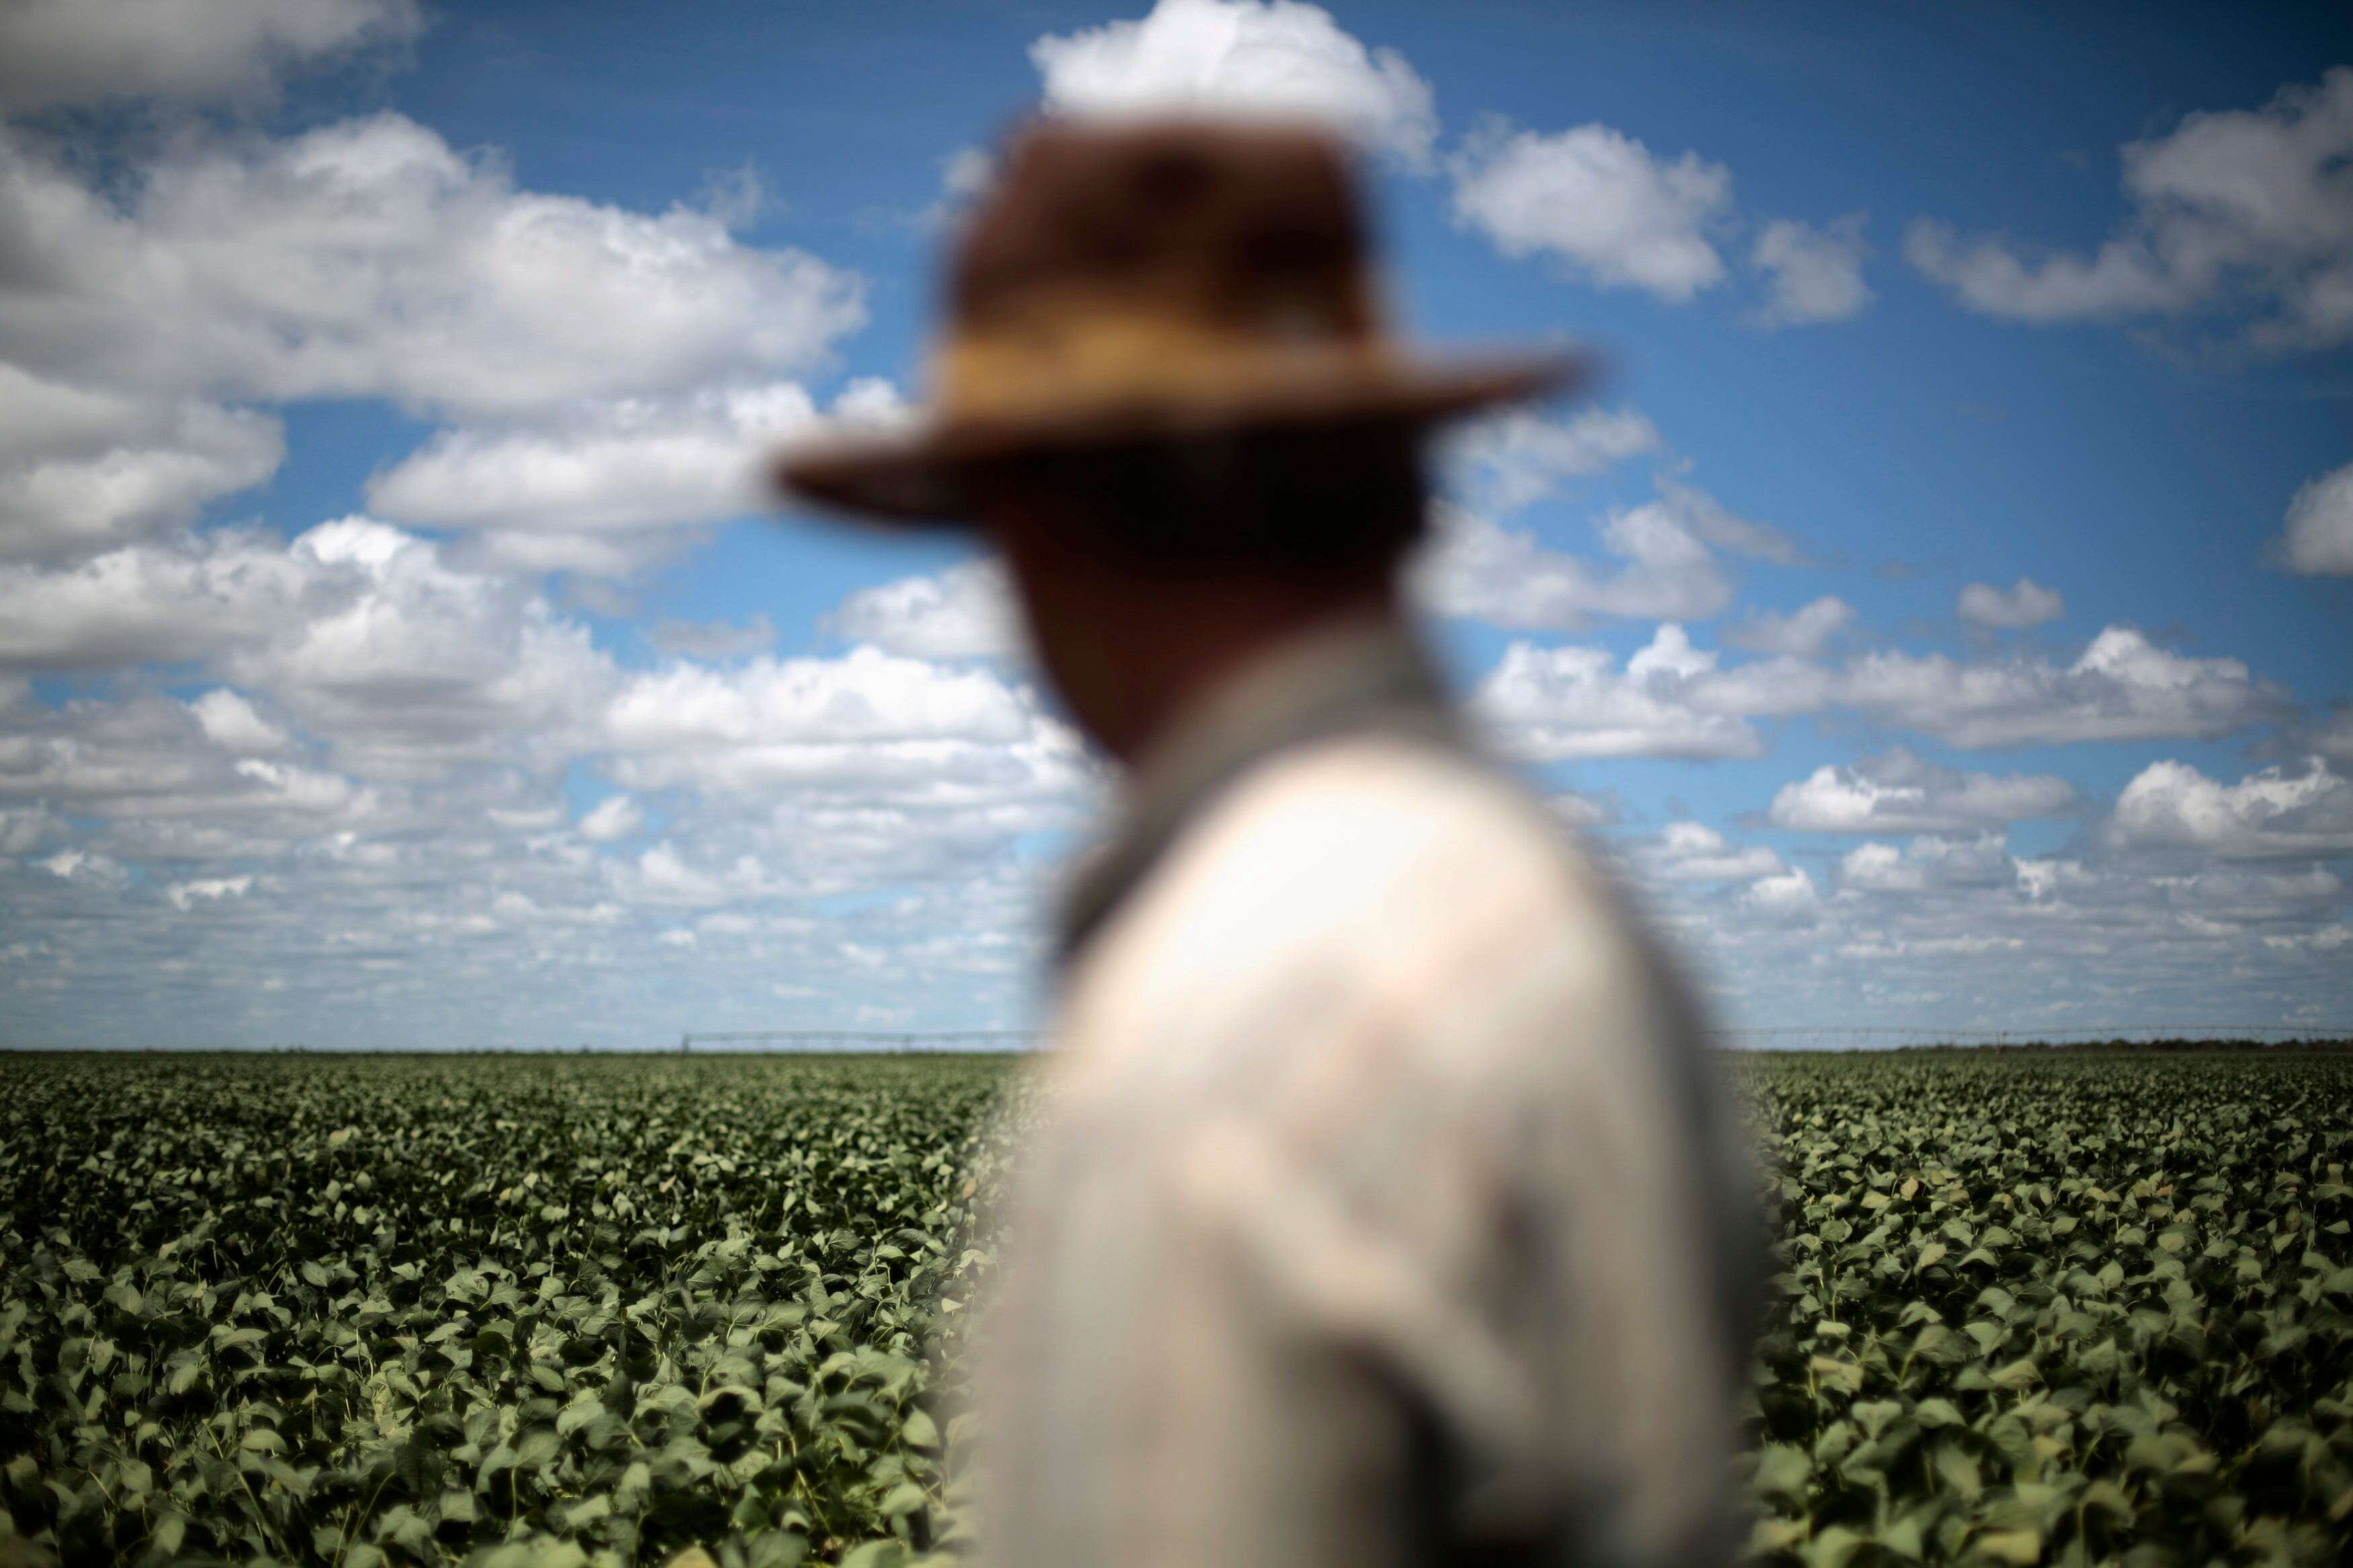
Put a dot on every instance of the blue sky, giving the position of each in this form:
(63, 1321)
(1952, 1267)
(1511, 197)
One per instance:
(1939, 616)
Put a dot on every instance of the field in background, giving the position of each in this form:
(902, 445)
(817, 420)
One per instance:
(355, 1310)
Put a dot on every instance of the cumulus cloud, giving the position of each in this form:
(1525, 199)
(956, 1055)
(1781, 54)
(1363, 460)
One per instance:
(83, 469)
(2274, 813)
(1879, 868)
(2122, 688)
(613, 374)
(55, 52)
(1253, 57)
(184, 895)
(1673, 699)
(879, 726)
(966, 174)
(2247, 211)
(2024, 604)
(1801, 634)
(1694, 852)
(369, 258)
(964, 612)
(606, 486)
(1596, 202)
(1900, 792)
(1952, 930)
(615, 816)
(2319, 538)
(391, 768)
(1815, 273)
(165, 789)
(424, 665)
(1519, 457)
(187, 598)
(1788, 896)
(360, 633)
(1549, 704)
(230, 722)
(1480, 570)
(84, 866)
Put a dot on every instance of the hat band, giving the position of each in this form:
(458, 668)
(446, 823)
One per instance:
(1107, 358)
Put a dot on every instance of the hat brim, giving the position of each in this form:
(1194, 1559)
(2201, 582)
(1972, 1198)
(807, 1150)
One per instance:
(918, 475)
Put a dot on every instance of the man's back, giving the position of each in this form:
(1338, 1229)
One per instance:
(1381, 1211)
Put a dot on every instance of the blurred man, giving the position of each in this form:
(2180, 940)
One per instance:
(1383, 1210)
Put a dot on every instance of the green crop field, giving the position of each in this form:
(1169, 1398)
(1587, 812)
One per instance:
(359, 1311)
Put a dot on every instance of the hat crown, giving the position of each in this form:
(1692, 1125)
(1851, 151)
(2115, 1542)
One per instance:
(1248, 229)
(1153, 279)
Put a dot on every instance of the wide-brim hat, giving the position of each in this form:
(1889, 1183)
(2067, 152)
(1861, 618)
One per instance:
(1158, 278)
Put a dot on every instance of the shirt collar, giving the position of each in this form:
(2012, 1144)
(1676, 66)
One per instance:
(1359, 673)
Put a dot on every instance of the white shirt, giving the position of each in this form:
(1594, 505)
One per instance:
(1381, 1208)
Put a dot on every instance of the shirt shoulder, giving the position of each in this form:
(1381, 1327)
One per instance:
(1364, 874)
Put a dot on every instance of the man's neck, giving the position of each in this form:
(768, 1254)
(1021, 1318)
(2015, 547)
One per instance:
(1274, 663)
(1219, 643)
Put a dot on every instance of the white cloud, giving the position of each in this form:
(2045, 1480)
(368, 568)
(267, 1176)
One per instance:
(878, 727)
(2250, 211)
(2024, 604)
(964, 612)
(82, 469)
(1254, 56)
(2327, 939)
(369, 258)
(615, 816)
(1900, 792)
(2319, 538)
(149, 762)
(424, 666)
(2124, 279)
(1694, 852)
(78, 864)
(211, 889)
(1676, 700)
(1706, 516)
(189, 598)
(1598, 203)
(1879, 868)
(1786, 895)
(618, 466)
(604, 487)
(1548, 704)
(2273, 812)
(1521, 457)
(966, 175)
(1478, 570)
(2122, 688)
(1801, 634)
(1817, 273)
(230, 722)
(56, 52)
